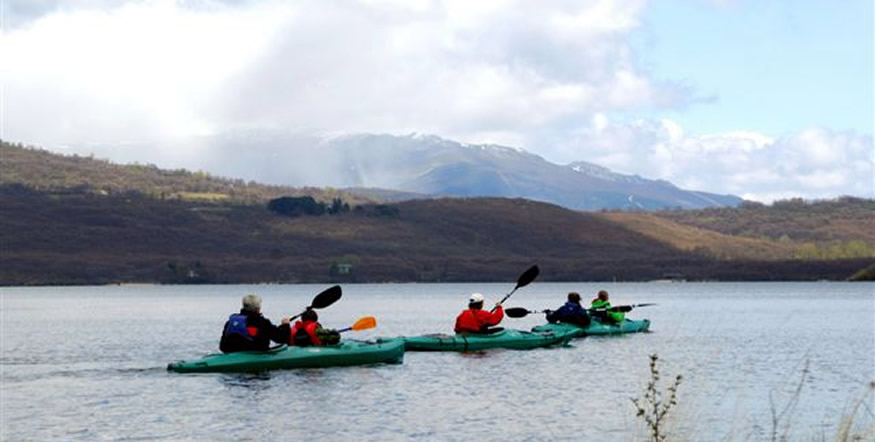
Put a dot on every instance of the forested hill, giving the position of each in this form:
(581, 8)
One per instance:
(789, 229)
(83, 238)
(43, 170)
(845, 219)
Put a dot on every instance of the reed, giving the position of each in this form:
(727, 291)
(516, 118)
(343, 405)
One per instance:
(848, 431)
(657, 404)
(653, 408)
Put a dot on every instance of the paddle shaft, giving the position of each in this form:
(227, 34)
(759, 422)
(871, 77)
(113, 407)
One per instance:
(621, 308)
(521, 312)
(527, 277)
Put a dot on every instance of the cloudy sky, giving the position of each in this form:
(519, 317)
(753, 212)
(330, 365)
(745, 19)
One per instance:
(764, 99)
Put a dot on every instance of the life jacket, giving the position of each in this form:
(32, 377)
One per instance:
(604, 311)
(303, 334)
(572, 313)
(237, 326)
(598, 303)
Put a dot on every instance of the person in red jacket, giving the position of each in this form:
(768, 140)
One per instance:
(477, 320)
(308, 331)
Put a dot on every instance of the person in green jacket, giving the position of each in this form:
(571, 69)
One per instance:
(600, 309)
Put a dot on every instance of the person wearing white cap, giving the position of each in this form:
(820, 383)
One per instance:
(249, 330)
(476, 320)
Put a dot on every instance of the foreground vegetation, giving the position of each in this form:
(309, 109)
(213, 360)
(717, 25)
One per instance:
(653, 410)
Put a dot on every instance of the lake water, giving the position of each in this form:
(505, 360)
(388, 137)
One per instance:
(88, 363)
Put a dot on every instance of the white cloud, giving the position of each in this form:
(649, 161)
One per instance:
(125, 73)
(815, 163)
(85, 71)
(545, 76)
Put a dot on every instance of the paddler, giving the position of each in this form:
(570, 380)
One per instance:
(476, 320)
(600, 307)
(308, 331)
(249, 330)
(570, 313)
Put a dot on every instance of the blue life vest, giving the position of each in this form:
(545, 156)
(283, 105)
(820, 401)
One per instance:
(237, 326)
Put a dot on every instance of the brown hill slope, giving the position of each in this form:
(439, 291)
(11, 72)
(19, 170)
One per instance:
(78, 238)
(701, 240)
(790, 229)
(41, 169)
(841, 219)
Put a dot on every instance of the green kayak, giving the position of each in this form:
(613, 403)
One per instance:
(511, 339)
(349, 352)
(597, 328)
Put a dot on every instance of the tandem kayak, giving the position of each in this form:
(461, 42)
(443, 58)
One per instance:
(507, 338)
(346, 353)
(597, 328)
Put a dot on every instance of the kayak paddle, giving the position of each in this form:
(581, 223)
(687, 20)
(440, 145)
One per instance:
(527, 277)
(621, 308)
(324, 299)
(520, 312)
(364, 323)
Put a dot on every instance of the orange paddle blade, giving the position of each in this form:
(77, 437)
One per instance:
(365, 323)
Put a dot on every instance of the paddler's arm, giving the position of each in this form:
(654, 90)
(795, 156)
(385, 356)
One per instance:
(280, 334)
(497, 315)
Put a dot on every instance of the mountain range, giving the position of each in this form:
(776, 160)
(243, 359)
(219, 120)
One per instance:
(426, 165)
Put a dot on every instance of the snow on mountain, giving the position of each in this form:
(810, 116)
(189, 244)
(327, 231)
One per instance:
(429, 165)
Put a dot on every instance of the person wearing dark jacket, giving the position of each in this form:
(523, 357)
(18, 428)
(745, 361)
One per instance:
(249, 330)
(571, 313)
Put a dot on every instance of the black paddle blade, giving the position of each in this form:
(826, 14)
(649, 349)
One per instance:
(516, 312)
(527, 277)
(327, 297)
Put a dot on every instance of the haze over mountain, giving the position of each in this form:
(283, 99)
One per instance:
(423, 164)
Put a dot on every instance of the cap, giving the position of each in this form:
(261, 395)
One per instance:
(475, 298)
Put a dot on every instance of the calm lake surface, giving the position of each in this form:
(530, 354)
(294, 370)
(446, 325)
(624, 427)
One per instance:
(88, 363)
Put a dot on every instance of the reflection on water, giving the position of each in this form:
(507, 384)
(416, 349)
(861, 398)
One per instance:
(88, 363)
(252, 381)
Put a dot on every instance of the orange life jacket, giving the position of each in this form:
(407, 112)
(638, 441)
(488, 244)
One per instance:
(307, 327)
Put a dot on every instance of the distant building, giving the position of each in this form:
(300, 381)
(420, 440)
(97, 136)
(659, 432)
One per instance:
(674, 276)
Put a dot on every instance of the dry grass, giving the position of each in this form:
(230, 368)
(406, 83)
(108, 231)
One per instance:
(691, 238)
(857, 424)
(848, 427)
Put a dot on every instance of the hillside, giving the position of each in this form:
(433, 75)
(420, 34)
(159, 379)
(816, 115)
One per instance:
(826, 229)
(790, 229)
(85, 238)
(77, 220)
(44, 170)
(701, 240)
(845, 218)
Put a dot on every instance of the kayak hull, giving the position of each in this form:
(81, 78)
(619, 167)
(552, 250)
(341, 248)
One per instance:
(597, 328)
(346, 353)
(508, 339)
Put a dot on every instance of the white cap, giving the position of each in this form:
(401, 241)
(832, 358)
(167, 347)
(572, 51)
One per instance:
(475, 298)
